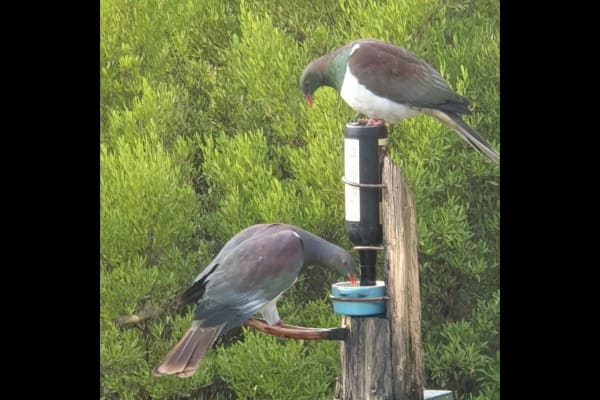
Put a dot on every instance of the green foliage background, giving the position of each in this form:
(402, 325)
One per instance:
(204, 131)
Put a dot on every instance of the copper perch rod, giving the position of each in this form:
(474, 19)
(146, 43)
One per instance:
(297, 332)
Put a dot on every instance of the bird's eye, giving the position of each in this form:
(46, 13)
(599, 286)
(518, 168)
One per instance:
(344, 262)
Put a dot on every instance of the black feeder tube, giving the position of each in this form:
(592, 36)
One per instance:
(368, 259)
(362, 178)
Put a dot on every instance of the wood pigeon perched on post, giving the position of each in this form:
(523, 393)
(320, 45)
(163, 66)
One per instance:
(247, 276)
(388, 83)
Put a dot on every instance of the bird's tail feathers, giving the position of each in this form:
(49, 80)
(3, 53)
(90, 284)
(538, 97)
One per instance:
(467, 133)
(185, 357)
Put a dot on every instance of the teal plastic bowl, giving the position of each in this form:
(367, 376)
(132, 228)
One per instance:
(344, 290)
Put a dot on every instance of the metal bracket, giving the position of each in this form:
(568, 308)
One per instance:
(363, 185)
(358, 299)
(360, 248)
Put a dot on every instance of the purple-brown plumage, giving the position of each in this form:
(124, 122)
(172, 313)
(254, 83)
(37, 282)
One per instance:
(414, 81)
(247, 276)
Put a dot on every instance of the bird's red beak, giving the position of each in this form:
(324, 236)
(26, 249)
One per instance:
(352, 278)
(309, 100)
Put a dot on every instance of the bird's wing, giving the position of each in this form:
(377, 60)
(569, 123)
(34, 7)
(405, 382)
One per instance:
(395, 73)
(196, 290)
(251, 275)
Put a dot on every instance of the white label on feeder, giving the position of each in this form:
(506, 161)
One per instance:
(352, 174)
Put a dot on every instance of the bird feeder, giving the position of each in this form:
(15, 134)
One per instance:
(358, 300)
(363, 145)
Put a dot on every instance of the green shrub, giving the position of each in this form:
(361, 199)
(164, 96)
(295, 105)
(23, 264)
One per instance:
(146, 207)
(467, 357)
(168, 43)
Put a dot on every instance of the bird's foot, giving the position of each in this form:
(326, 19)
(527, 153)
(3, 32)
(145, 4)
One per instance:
(279, 323)
(370, 121)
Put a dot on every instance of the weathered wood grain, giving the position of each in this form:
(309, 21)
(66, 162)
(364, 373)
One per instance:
(402, 279)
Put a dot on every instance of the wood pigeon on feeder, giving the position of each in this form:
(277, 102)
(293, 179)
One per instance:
(388, 83)
(247, 276)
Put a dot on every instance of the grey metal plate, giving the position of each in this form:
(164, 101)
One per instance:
(438, 395)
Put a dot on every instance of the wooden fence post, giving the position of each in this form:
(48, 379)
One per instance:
(382, 357)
